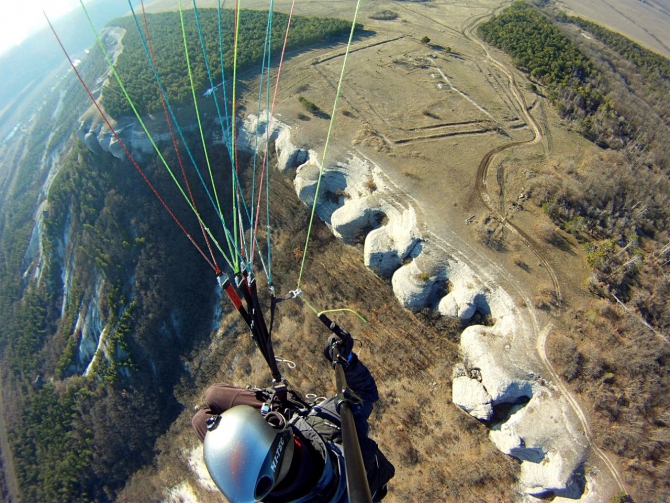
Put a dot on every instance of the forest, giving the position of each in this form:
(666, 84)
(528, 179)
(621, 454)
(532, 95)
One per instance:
(574, 85)
(617, 206)
(653, 65)
(166, 37)
(79, 437)
(66, 439)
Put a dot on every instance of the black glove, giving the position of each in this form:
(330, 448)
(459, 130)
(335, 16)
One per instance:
(346, 346)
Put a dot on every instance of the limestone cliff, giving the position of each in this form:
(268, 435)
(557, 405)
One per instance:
(497, 382)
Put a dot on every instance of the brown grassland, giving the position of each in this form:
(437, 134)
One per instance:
(428, 114)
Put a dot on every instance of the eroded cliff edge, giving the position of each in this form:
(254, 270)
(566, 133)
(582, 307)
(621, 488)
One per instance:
(499, 380)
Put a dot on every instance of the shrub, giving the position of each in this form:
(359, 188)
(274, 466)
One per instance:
(384, 15)
(309, 106)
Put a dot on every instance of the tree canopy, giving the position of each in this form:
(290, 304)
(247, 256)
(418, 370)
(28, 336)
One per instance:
(652, 64)
(542, 50)
(165, 31)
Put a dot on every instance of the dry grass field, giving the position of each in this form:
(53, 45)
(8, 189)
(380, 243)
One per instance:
(428, 114)
(646, 22)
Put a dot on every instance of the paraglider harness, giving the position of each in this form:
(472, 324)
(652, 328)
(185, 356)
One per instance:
(282, 395)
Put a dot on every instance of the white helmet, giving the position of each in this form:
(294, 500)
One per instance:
(245, 455)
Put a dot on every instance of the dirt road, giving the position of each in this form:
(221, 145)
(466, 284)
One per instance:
(481, 192)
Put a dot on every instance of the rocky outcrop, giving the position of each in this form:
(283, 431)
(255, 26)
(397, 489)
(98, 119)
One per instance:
(98, 137)
(495, 383)
(542, 436)
(89, 329)
(489, 350)
(196, 461)
(33, 258)
(473, 397)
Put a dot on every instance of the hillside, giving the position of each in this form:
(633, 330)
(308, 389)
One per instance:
(494, 203)
(99, 291)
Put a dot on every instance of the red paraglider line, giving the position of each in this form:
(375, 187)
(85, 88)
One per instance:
(272, 109)
(104, 117)
(174, 141)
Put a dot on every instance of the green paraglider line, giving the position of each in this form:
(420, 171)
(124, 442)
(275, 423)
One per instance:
(266, 166)
(139, 118)
(202, 134)
(238, 228)
(325, 149)
(172, 135)
(264, 82)
(319, 313)
(165, 99)
(125, 149)
(234, 111)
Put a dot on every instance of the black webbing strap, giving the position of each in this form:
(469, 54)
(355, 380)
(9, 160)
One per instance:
(227, 287)
(334, 327)
(262, 332)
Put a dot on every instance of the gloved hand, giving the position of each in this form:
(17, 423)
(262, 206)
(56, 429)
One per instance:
(346, 346)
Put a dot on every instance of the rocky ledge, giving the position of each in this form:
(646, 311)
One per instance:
(496, 381)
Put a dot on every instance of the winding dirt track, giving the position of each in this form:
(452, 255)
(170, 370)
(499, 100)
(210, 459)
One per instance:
(481, 192)
(482, 171)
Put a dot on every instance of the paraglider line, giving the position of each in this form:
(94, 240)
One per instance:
(125, 149)
(174, 140)
(184, 142)
(139, 119)
(325, 148)
(197, 110)
(265, 154)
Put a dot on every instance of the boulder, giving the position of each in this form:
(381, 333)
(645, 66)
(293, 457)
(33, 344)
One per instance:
(92, 143)
(412, 287)
(353, 219)
(305, 181)
(541, 434)
(116, 149)
(254, 133)
(470, 395)
(387, 248)
(332, 189)
(488, 349)
(462, 302)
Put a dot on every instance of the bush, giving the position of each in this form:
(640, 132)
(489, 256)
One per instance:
(309, 106)
(384, 15)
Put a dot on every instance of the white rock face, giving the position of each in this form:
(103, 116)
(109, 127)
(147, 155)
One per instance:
(387, 248)
(489, 351)
(89, 326)
(181, 493)
(463, 302)
(33, 258)
(92, 143)
(356, 197)
(196, 461)
(472, 397)
(551, 454)
(352, 221)
(98, 137)
(412, 287)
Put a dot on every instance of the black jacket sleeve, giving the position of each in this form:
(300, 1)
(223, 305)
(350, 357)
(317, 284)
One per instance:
(360, 380)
